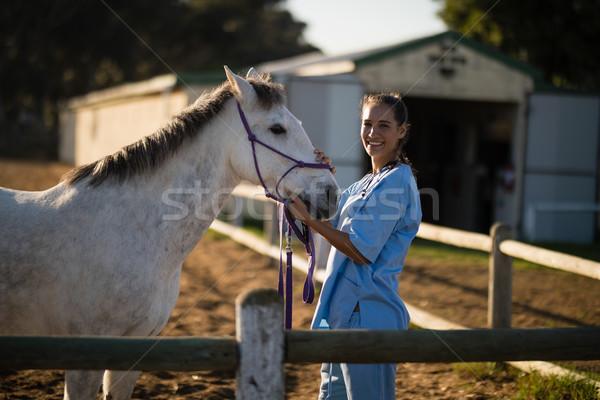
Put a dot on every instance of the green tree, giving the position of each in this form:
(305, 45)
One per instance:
(51, 50)
(559, 37)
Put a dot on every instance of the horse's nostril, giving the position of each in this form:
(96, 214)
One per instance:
(332, 195)
(332, 200)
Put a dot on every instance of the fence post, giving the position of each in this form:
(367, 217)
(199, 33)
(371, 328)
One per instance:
(261, 345)
(499, 280)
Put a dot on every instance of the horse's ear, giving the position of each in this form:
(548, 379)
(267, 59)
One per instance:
(242, 90)
(252, 74)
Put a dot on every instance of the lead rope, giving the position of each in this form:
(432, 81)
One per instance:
(305, 238)
(287, 295)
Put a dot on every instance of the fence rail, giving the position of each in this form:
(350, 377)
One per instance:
(551, 259)
(350, 346)
(446, 346)
(513, 248)
(455, 237)
(118, 353)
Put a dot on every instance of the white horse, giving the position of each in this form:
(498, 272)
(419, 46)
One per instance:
(101, 253)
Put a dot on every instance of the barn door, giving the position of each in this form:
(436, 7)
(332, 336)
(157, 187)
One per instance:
(560, 190)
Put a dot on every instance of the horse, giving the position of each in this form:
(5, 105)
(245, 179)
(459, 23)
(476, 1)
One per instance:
(101, 252)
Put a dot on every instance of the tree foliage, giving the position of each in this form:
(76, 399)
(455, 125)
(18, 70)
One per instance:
(55, 49)
(559, 37)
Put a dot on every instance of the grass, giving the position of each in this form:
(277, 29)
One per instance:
(533, 386)
(536, 387)
(435, 251)
(211, 233)
(253, 226)
(439, 252)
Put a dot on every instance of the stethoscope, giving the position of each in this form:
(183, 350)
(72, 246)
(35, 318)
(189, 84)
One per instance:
(386, 170)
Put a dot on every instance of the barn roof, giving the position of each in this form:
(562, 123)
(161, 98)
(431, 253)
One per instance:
(320, 64)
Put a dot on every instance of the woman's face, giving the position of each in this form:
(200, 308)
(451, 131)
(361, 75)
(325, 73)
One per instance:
(380, 133)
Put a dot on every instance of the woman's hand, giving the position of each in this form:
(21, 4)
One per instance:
(338, 239)
(295, 205)
(298, 209)
(323, 159)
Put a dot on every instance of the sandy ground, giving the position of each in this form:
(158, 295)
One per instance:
(218, 270)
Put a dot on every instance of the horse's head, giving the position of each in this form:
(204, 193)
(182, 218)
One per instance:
(273, 142)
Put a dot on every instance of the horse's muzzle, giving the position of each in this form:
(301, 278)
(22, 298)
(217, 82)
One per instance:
(324, 204)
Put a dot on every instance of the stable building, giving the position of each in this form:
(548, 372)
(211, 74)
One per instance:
(489, 143)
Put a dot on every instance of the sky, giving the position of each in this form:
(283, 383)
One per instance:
(344, 26)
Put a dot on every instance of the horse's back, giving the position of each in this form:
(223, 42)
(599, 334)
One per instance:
(17, 213)
(27, 272)
(25, 216)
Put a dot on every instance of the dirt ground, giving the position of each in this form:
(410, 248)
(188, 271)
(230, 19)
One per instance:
(218, 270)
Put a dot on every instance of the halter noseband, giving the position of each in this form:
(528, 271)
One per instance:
(305, 236)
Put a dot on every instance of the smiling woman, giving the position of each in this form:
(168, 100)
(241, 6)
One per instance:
(376, 221)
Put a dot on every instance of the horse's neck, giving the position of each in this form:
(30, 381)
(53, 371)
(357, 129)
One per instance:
(177, 201)
(203, 183)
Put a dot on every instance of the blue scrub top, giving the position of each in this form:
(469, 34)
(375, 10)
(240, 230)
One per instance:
(381, 214)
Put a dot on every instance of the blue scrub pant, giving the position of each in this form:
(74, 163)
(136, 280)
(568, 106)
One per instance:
(357, 381)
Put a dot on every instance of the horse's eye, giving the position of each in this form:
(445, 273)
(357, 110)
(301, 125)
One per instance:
(277, 129)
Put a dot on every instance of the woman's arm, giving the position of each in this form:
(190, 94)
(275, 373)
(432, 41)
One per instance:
(338, 239)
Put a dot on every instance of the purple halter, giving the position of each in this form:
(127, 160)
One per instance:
(305, 236)
(298, 164)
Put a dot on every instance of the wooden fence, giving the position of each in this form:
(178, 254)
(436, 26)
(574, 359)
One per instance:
(262, 346)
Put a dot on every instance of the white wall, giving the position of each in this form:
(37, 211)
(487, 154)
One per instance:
(90, 132)
(328, 109)
(561, 166)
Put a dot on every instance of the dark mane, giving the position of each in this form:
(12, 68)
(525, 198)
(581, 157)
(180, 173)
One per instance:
(149, 153)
